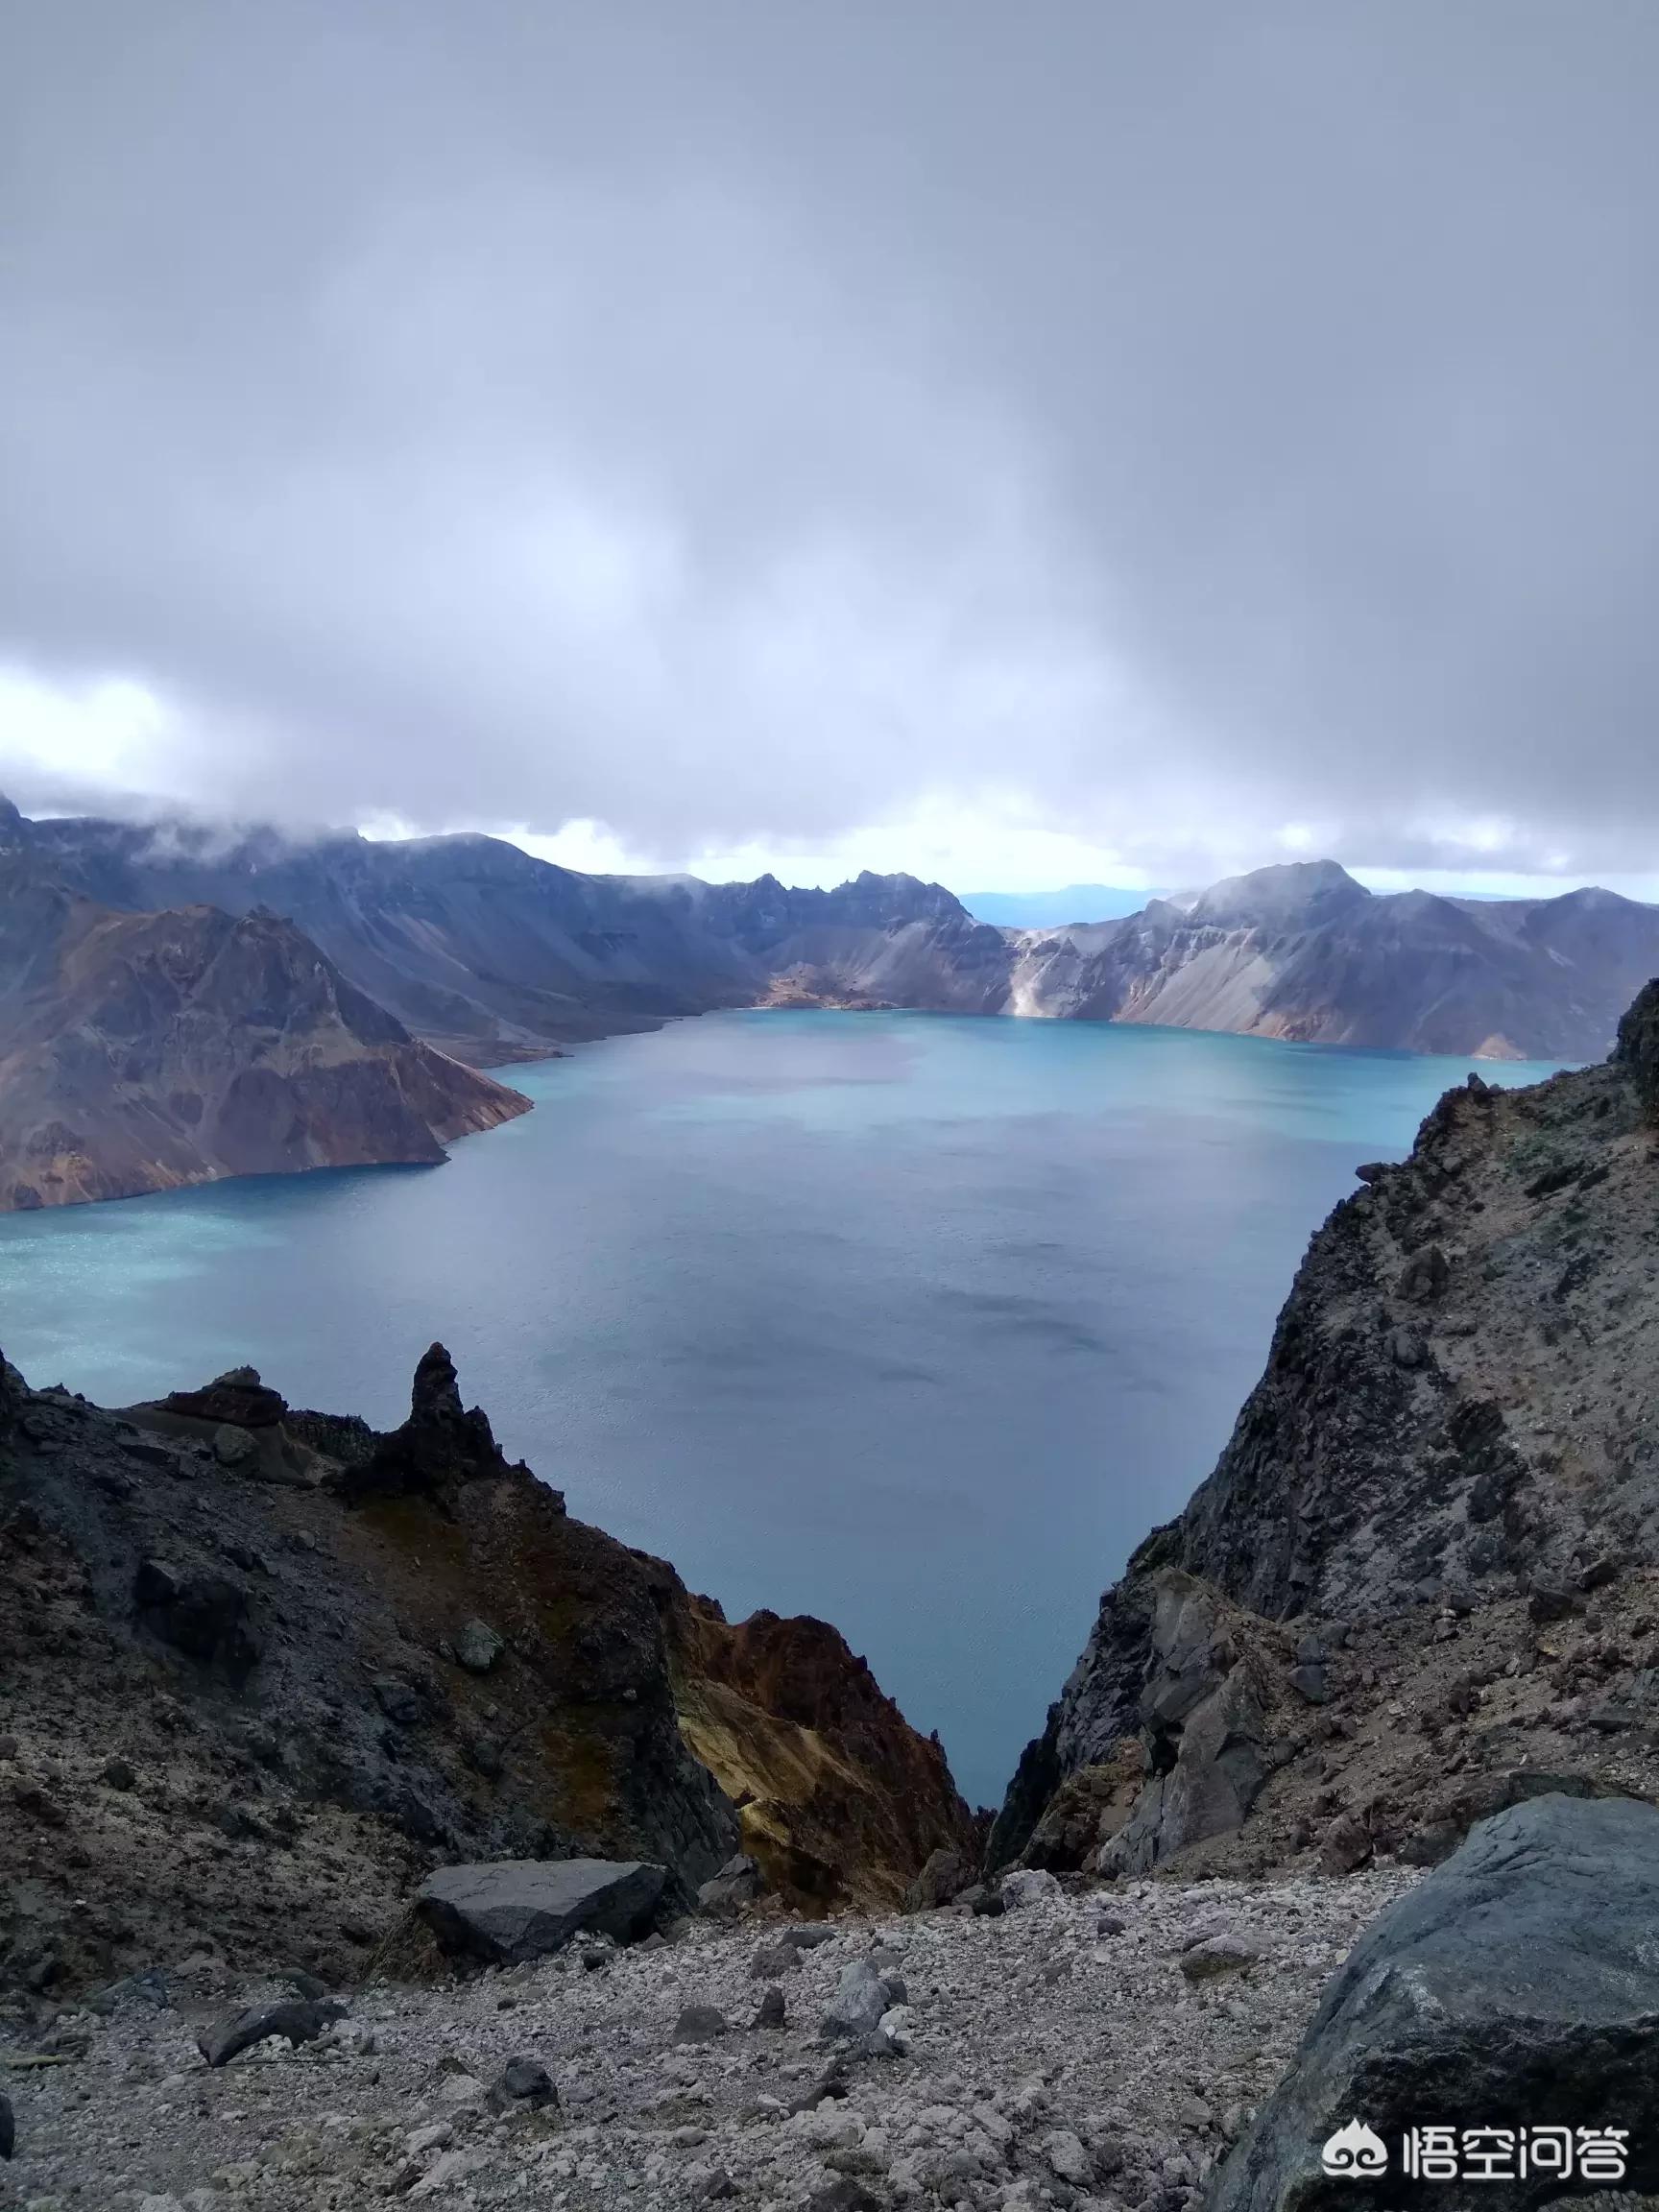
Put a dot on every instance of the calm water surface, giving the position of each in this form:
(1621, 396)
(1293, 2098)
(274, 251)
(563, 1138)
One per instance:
(913, 1322)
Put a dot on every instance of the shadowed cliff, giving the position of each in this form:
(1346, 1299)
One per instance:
(287, 1664)
(1423, 1576)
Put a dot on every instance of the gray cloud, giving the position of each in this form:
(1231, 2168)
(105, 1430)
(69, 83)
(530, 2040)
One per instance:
(759, 421)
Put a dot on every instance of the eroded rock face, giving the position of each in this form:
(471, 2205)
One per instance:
(841, 1801)
(1445, 1486)
(290, 1650)
(145, 1051)
(291, 1685)
(1516, 1987)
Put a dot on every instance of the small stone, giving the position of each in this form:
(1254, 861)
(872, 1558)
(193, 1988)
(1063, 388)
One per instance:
(860, 1999)
(844, 2195)
(700, 2024)
(436, 2135)
(117, 1774)
(774, 1960)
(1067, 2156)
(1028, 1886)
(771, 2014)
(982, 1901)
(232, 1446)
(1213, 1956)
(1311, 1683)
(478, 1646)
(738, 1884)
(1346, 1844)
(1551, 1601)
(29, 1797)
(523, 2084)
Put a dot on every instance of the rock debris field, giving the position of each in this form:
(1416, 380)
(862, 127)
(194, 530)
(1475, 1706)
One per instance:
(1082, 2049)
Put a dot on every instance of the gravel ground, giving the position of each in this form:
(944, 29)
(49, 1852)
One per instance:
(1059, 2055)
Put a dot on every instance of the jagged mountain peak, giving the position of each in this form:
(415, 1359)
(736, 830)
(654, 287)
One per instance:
(1288, 892)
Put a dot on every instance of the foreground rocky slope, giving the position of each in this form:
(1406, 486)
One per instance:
(144, 1051)
(263, 1668)
(1427, 1567)
(1056, 2055)
(1086, 2051)
(495, 956)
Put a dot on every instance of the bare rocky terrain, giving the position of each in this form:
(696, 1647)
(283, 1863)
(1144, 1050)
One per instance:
(1081, 2050)
(149, 1051)
(1349, 1807)
(261, 1670)
(1426, 1570)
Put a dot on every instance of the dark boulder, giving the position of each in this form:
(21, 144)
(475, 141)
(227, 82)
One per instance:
(1516, 1987)
(738, 1883)
(522, 2085)
(298, 2019)
(510, 1910)
(946, 1874)
(237, 1399)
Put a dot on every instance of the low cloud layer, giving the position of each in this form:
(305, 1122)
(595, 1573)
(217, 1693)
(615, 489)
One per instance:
(1184, 435)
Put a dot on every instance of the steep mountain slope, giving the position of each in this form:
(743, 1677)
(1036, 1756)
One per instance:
(836, 1795)
(495, 955)
(285, 1665)
(1303, 952)
(140, 1052)
(1426, 1565)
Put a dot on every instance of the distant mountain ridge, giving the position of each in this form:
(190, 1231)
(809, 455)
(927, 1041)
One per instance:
(493, 955)
(1301, 951)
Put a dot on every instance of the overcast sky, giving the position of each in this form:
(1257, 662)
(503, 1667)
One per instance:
(1026, 444)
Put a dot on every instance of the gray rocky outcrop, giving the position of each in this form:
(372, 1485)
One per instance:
(1516, 1987)
(1431, 1536)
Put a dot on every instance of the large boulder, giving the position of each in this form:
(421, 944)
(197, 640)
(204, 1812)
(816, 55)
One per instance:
(510, 1910)
(1516, 1987)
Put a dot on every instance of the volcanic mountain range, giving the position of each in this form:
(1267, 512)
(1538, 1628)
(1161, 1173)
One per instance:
(179, 1003)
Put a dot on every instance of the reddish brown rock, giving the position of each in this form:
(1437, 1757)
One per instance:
(145, 1051)
(841, 1800)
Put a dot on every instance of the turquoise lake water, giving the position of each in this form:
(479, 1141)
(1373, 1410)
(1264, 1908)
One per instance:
(913, 1322)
